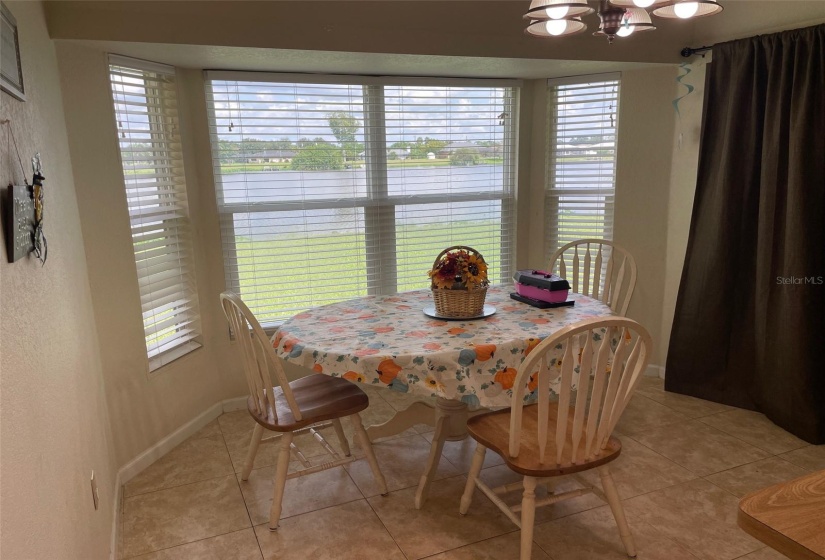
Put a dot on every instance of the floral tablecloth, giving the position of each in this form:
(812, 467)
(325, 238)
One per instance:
(388, 341)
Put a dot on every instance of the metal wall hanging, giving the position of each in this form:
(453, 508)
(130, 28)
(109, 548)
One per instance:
(41, 247)
(24, 212)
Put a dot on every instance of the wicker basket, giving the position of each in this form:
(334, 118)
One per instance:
(459, 302)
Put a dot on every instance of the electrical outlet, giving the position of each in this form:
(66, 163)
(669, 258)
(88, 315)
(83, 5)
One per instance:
(95, 495)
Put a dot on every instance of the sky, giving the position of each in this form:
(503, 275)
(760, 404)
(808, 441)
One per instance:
(271, 111)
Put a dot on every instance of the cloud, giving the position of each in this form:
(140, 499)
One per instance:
(268, 111)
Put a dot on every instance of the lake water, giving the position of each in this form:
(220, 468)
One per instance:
(345, 185)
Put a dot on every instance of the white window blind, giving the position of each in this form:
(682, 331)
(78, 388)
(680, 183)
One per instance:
(145, 103)
(336, 188)
(581, 165)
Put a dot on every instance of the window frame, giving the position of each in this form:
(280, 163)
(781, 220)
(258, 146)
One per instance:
(181, 231)
(552, 194)
(378, 205)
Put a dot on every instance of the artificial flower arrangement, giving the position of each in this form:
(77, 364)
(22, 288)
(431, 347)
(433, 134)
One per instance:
(459, 282)
(459, 268)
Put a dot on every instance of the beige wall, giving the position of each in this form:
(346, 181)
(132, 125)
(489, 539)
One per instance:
(144, 407)
(536, 155)
(655, 185)
(53, 413)
(231, 378)
(646, 120)
(684, 167)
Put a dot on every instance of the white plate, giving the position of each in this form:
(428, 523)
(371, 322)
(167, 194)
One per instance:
(429, 311)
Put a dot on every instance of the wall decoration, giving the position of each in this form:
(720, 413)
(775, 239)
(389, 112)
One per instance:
(20, 224)
(41, 248)
(11, 71)
(24, 219)
(687, 68)
(24, 210)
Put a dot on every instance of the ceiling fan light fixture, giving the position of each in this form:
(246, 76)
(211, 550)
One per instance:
(617, 18)
(612, 19)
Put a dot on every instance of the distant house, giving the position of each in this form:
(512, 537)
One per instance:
(398, 154)
(272, 156)
(575, 150)
(483, 151)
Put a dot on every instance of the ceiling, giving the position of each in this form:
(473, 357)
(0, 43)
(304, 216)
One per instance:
(365, 64)
(463, 38)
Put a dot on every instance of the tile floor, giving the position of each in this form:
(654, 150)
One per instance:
(684, 465)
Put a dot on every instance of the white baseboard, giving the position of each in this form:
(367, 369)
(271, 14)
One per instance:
(131, 469)
(116, 518)
(231, 405)
(655, 371)
(134, 467)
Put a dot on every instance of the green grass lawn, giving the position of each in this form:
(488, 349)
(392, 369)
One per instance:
(228, 168)
(299, 283)
(295, 282)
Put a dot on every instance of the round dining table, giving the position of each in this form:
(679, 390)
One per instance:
(389, 342)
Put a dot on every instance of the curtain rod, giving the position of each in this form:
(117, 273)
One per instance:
(687, 52)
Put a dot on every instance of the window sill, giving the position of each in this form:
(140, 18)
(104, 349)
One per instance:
(157, 362)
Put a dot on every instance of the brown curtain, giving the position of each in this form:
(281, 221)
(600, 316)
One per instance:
(749, 329)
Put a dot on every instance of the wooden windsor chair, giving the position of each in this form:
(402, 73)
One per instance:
(600, 269)
(293, 407)
(572, 434)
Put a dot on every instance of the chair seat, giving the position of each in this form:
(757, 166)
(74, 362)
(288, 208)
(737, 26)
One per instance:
(319, 397)
(493, 431)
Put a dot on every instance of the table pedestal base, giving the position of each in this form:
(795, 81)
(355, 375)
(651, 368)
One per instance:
(418, 412)
(448, 417)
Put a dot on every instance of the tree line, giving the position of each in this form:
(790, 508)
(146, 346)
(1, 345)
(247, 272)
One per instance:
(320, 154)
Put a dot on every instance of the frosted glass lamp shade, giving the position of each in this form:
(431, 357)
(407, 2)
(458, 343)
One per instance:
(639, 3)
(555, 27)
(682, 8)
(557, 9)
(638, 19)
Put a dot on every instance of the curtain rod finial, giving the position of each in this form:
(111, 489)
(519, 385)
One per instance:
(687, 52)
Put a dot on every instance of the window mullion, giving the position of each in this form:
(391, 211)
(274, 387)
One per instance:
(551, 242)
(232, 277)
(382, 275)
(509, 118)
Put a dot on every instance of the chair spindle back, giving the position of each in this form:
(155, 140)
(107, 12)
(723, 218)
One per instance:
(592, 257)
(258, 357)
(611, 355)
